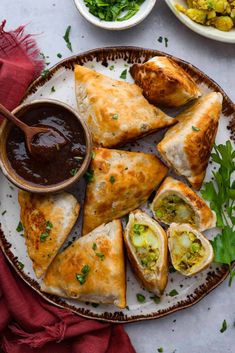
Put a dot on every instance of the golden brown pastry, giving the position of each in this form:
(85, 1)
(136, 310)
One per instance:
(187, 146)
(115, 111)
(47, 221)
(191, 252)
(91, 269)
(146, 244)
(164, 82)
(176, 202)
(121, 181)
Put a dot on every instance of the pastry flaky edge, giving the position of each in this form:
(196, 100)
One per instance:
(156, 282)
(121, 182)
(115, 111)
(205, 217)
(61, 210)
(105, 282)
(205, 242)
(187, 146)
(164, 82)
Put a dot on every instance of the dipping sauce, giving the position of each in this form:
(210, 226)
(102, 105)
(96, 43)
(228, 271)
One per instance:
(68, 158)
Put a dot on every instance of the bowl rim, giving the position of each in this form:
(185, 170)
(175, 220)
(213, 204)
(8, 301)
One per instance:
(205, 31)
(133, 21)
(23, 184)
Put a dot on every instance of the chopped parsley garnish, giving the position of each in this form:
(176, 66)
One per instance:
(89, 176)
(194, 128)
(81, 277)
(59, 55)
(115, 116)
(19, 227)
(66, 38)
(48, 228)
(224, 326)
(111, 68)
(112, 10)
(100, 255)
(73, 171)
(123, 74)
(21, 265)
(127, 307)
(52, 89)
(95, 305)
(156, 299)
(166, 42)
(112, 179)
(78, 158)
(140, 297)
(44, 73)
(173, 292)
(160, 39)
(94, 246)
(4, 212)
(160, 350)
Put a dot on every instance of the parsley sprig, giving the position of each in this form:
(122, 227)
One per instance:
(221, 194)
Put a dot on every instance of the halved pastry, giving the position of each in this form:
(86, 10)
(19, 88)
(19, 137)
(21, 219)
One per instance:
(91, 269)
(164, 82)
(176, 202)
(115, 111)
(187, 146)
(146, 244)
(48, 221)
(191, 252)
(120, 182)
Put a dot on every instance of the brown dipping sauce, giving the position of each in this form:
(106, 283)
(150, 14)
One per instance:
(68, 159)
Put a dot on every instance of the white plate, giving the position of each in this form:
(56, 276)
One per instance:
(206, 31)
(190, 290)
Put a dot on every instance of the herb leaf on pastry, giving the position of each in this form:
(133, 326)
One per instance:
(91, 269)
(146, 244)
(190, 250)
(176, 202)
(48, 221)
(121, 181)
(115, 111)
(164, 82)
(187, 146)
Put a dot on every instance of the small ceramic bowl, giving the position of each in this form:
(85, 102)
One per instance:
(17, 180)
(143, 12)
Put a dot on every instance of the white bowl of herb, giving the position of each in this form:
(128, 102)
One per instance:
(115, 14)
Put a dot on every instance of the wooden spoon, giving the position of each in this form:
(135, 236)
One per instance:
(43, 142)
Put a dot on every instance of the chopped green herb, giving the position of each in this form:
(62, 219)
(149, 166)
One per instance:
(173, 292)
(194, 128)
(66, 38)
(166, 42)
(112, 179)
(89, 176)
(126, 65)
(156, 299)
(59, 55)
(127, 307)
(81, 277)
(94, 246)
(43, 236)
(4, 212)
(42, 55)
(111, 68)
(115, 116)
(19, 227)
(73, 171)
(160, 350)
(100, 255)
(95, 305)
(224, 326)
(44, 73)
(160, 39)
(123, 74)
(140, 297)
(78, 158)
(48, 228)
(52, 89)
(21, 265)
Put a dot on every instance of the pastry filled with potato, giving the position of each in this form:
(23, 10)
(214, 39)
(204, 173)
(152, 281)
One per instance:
(146, 244)
(190, 251)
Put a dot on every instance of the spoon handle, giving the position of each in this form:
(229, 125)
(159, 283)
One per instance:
(12, 118)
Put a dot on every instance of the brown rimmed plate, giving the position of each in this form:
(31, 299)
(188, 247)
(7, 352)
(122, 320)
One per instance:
(112, 61)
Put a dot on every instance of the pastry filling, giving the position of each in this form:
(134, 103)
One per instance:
(173, 209)
(187, 251)
(146, 245)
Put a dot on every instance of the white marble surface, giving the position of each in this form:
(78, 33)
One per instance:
(197, 329)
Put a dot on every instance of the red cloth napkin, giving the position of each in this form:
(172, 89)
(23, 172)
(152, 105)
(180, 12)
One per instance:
(29, 324)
